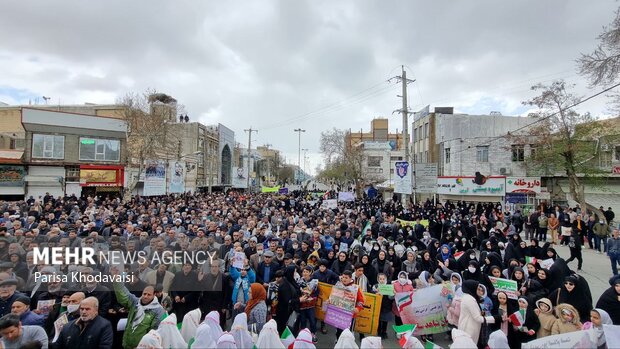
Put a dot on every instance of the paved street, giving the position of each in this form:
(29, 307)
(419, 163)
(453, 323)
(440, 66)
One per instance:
(596, 269)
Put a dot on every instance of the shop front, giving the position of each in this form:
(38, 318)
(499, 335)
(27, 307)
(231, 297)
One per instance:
(523, 193)
(101, 180)
(12, 182)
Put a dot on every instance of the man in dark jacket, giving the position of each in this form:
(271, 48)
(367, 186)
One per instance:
(184, 291)
(89, 331)
(216, 292)
(323, 274)
(266, 271)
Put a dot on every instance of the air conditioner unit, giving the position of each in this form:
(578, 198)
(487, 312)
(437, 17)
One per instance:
(605, 147)
(504, 171)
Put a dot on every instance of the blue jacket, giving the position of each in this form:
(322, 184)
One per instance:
(613, 247)
(32, 319)
(244, 283)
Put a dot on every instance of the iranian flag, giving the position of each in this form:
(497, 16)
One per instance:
(529, 259)
(431, 345)
(287, 338)
(405, 332)
(404, 301)
(517, 318)
(458, 255)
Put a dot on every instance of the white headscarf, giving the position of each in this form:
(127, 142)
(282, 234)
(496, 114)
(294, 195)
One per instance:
(461, 340)
(151, 340)
(170, 335)
(371, 343)
(239, 331)
(213, 319)
(191, 321)
(226, 341)
(346, 341)
(498, 340)
(204, 337)
(268, 338)
(304, 340)
(412, 342)
(598, 331)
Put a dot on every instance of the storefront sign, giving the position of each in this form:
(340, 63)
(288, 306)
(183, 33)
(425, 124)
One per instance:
(492, 186)
(527, 185)
(615, 170)
(12, 176)
(101, 176)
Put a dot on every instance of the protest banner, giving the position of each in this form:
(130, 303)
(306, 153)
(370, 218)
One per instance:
(45, 306)
(331, 204)
(343, 298)
(275, 189)
(427, 308)
(346, 196)
(612, 334)
(508, 286)
(338, 317)
(577, 339)
(367, 320)
(405, 223)
(546, 264)
(386, 290)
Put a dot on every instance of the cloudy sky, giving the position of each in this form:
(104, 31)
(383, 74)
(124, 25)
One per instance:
(281, 65)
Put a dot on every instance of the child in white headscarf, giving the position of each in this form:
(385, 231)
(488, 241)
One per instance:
(205, 337)
(346, 340)
(371, 343)
(304, 340)
(151, 340)
(191, 321)
(498, 340)
(268, 338)
(598, 317)
(461, 340)
(171, 337)
(213, 319)
(239, 331)
(226, 341)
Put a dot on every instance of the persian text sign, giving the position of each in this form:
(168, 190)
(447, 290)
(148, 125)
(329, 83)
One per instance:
(492, 186)
(343, 297)
(427, 308)
(426, 178)
(528, 185)
(338, 317)
(508, 286)
(578, 339)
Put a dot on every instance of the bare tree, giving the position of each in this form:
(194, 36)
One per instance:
(561, 139)
(151, 134)
(332, 144)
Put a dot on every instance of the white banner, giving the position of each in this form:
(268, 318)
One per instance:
(346, 196)
(240, 177)
(154, 178)
(528, 185)
(402, 178)
(426, 178)
(577, 339)
(489, 186)
(330, 204)
(177, 177)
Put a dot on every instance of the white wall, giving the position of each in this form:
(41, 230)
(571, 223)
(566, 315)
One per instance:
(36, 189)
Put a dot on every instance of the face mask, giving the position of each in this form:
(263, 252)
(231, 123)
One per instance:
(472, 256)
(159, 231)
(402, 281)
(295, 246)
(376, 248)
(260, 253)
(471, 269)
(72, 308)
(601, 222)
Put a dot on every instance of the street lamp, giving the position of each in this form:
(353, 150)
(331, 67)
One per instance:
(299, 130)
(305, 150)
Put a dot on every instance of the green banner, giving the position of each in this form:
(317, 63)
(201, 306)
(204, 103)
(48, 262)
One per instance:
(270, 189)
(508, 286)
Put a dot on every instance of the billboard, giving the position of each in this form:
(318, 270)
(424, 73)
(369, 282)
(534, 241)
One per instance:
(240, 177)
(177, 177)
(489, 186)
(12, 176)
(402, 178)
(426, 178)
(155, 178)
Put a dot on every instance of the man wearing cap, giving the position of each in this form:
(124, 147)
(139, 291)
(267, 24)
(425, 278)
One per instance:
(21, 308)
(8, 295)
(251, 248)
(267, 269)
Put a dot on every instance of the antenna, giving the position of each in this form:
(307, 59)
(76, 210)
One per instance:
(46, 99)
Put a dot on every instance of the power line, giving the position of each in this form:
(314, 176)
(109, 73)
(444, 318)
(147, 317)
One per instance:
(492, 139)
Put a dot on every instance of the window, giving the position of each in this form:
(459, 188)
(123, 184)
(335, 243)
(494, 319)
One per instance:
(17, 143)
(425, 157)
(447, 150)
(92, 149)
(482, 153)
(533, 149)
(375, 161)
(72, 174)
(426, 135)
(518, 153)
(48, 146)
(396, 158)
(617, 152)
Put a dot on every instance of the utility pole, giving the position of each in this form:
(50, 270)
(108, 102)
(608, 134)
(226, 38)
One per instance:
(305, 150)
(299, 130)
(268, 165)
(249, 131)
(405, 112)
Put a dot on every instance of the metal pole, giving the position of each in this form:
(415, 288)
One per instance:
(299, 131)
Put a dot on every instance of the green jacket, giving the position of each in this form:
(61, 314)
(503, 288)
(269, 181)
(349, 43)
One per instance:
(151, 321)
(601, 230)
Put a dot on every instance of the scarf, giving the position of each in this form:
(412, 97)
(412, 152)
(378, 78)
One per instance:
(258, 294)
(141, 309)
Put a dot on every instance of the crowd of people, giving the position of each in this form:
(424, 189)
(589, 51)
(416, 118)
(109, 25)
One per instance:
(255, 260)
